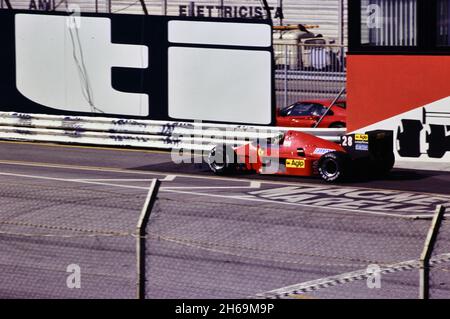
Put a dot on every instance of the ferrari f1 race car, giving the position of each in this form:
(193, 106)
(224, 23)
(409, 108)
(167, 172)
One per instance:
(300, 154)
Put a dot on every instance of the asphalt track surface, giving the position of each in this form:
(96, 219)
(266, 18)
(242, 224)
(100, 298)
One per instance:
(208, 237)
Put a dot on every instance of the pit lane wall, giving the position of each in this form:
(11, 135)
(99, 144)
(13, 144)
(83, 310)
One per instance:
(407, 94)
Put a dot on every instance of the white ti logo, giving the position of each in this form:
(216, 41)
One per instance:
(66, 65)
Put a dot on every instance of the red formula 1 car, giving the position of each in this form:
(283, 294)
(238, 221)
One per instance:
(300, 154)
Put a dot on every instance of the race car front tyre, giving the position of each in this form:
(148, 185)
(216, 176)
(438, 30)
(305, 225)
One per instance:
(334, 167)
(222, 160)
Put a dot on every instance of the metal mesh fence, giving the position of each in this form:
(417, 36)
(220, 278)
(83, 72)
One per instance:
(204, 246)
(309, 71)
(50, 234)
(217, 249)
(440, 264)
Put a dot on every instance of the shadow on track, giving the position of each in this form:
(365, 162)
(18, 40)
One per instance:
(399, 179)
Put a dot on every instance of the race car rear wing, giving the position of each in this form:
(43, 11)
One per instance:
(374, 144)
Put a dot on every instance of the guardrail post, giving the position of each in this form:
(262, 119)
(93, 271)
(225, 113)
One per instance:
(287, 60)
(424, 270)
(140, 238)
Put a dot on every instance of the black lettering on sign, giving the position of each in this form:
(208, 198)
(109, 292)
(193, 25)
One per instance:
(182, 11)
(255, 12)
(42, 5)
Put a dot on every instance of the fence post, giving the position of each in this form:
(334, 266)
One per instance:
(140, 238)
(424, 270)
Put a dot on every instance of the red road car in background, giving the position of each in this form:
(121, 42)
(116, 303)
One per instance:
(308, 113)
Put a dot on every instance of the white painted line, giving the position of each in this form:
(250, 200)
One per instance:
(208, 187)
(334, 209)
(253, 185)
(111, 180)
(169, 178)
(109, 184)
(71, 180)
(344, 278)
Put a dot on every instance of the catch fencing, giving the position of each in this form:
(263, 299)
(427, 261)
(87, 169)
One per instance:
(199, 247)
(192, 243)
(309, 71)
(437, 280)
(70, 239)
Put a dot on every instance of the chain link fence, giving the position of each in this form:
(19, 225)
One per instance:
(199, 248)
(67, 240)
(82, 241)
(439, 280)
(309, 71)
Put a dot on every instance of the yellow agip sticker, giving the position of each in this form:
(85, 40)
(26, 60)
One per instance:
(362, 137)
(295, 163)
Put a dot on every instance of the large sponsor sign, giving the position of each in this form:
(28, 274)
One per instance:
(422, 133)
(408, 94)
(161, 68)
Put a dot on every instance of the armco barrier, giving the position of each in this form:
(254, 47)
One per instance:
(137, 133)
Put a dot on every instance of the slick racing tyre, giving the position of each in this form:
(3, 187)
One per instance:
(334, 166)
(222, 160)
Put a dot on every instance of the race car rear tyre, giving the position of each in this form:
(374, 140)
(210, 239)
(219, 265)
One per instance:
(334, 166)
(222, 160)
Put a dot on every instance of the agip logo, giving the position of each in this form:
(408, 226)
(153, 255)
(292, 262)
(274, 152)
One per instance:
(362, 137)
(295, 163)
